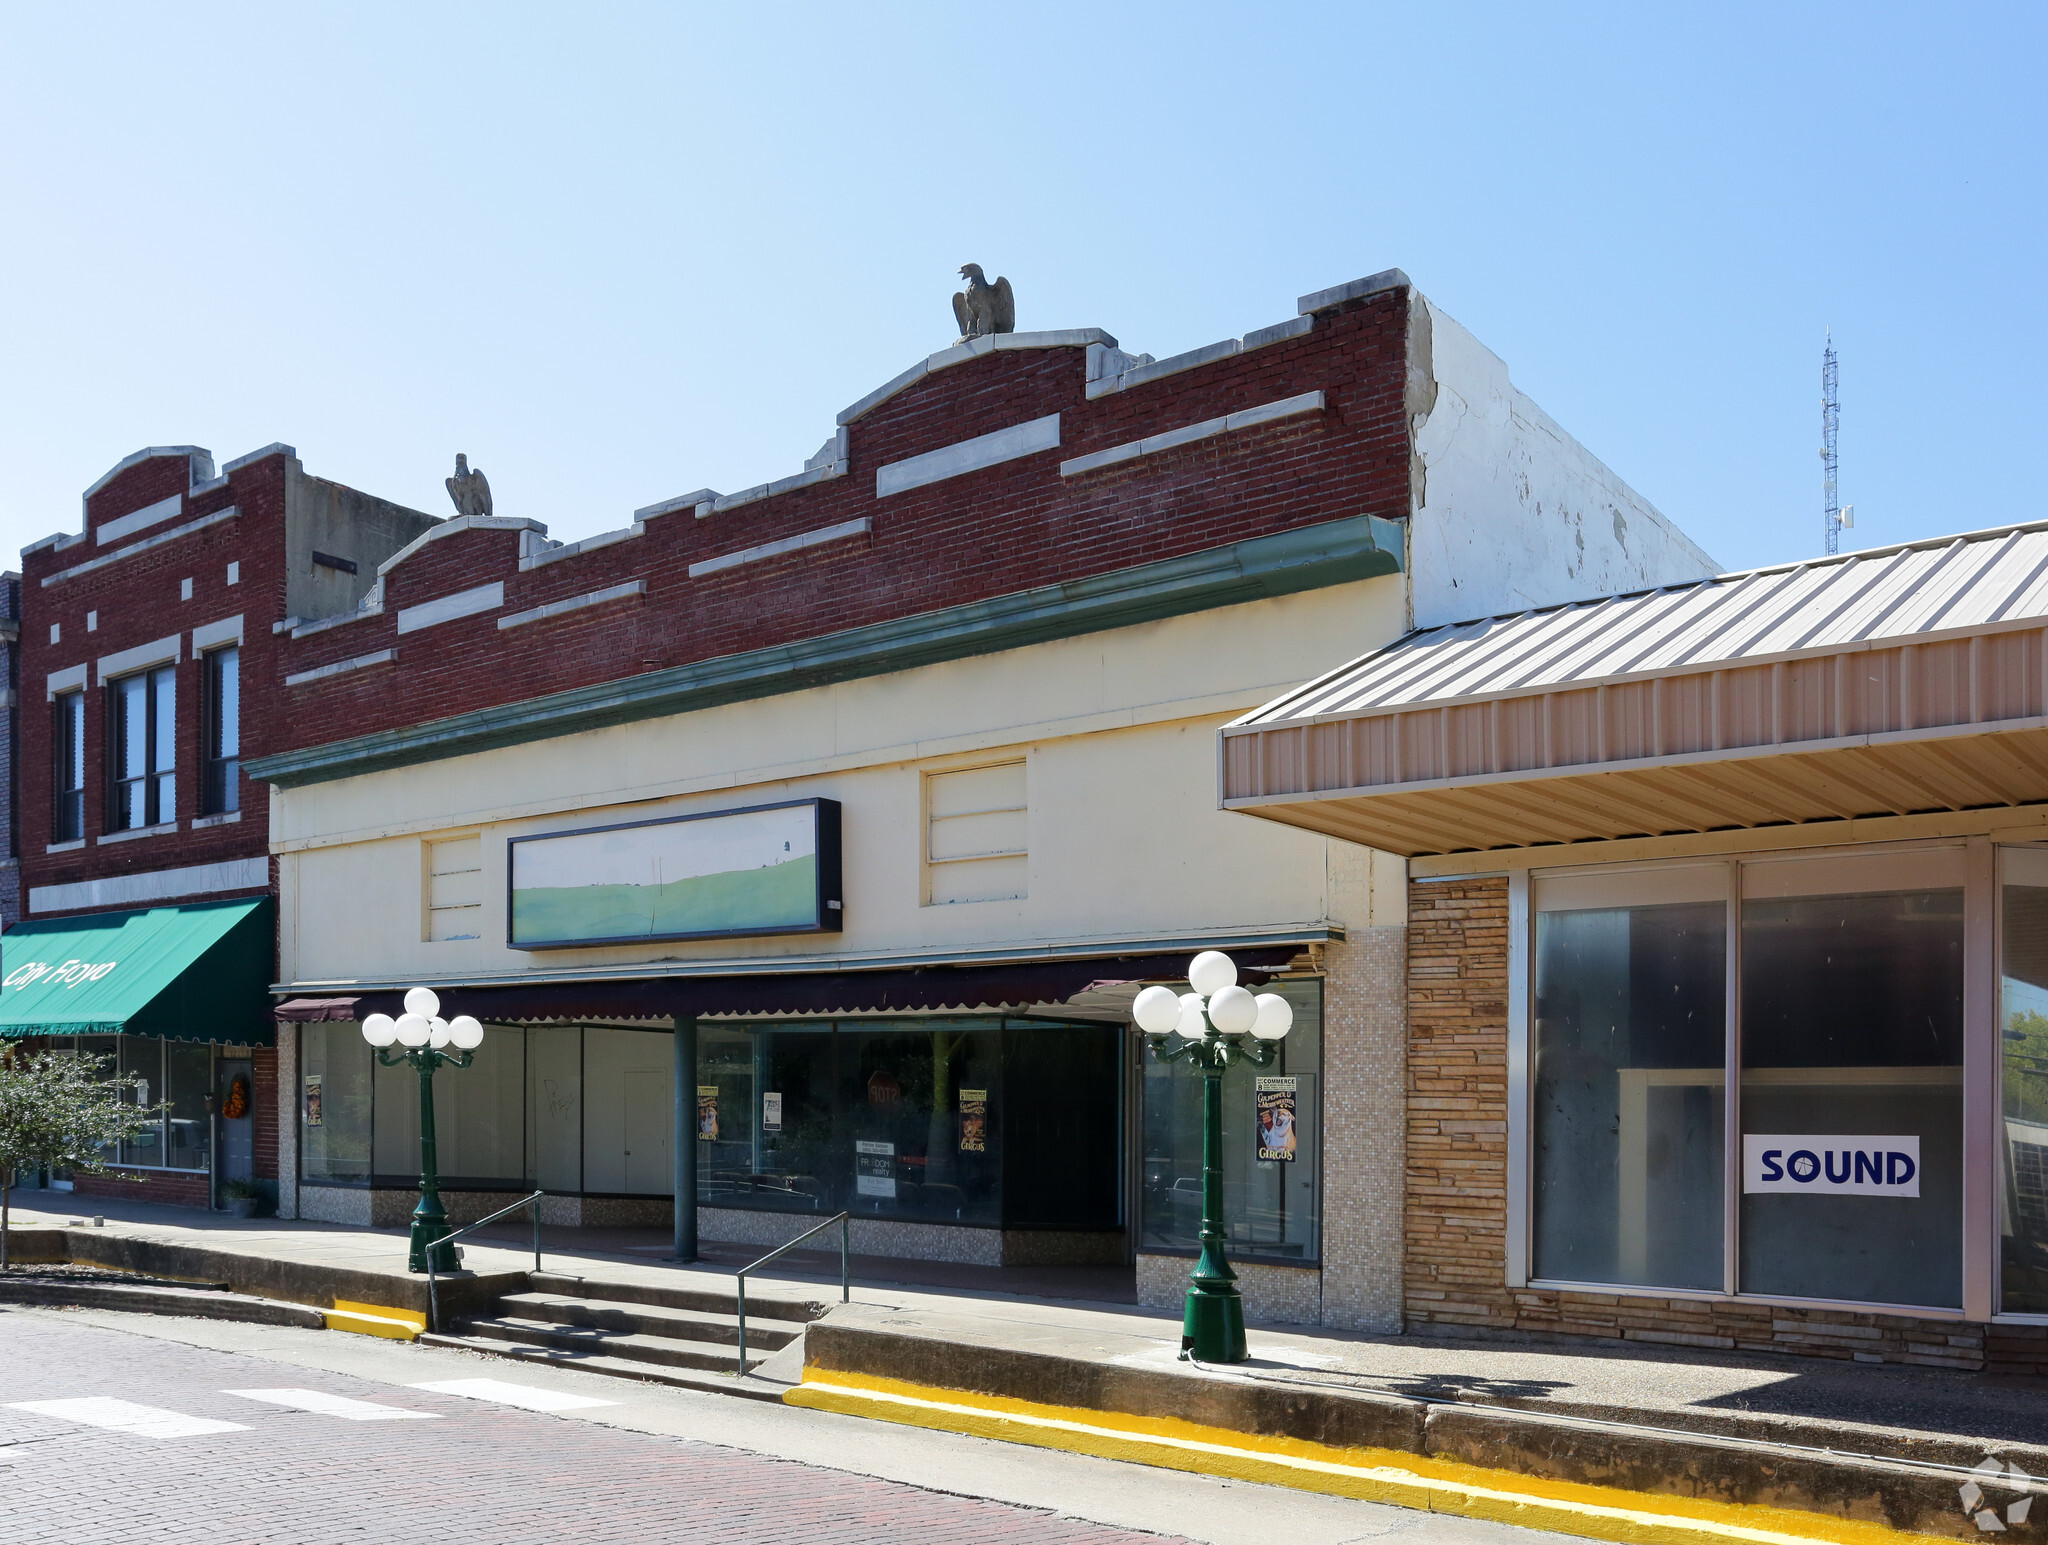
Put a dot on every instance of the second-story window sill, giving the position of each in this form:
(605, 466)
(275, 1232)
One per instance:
(163, 830)
(225, 818)
(66, 847)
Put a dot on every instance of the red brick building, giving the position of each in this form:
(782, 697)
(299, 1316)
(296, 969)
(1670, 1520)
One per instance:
(148, 666)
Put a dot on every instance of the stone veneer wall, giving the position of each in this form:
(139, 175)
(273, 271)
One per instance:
(287, 1121)
(1456, 1233)
(1273, 1295)
(1364, 1055)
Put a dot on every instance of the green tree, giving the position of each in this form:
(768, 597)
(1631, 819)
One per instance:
(61, 1110)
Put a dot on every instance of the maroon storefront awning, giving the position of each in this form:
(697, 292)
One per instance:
(966, 988)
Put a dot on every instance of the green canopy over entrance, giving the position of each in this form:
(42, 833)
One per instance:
(183, 973)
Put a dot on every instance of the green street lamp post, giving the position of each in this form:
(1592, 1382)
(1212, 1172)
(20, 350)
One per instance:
(1212, 1024)
(425, 1035)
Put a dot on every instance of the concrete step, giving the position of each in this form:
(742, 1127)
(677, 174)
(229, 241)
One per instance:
(762, 1304)
(199, 1303)
(614, 1367)
(664, 1351)
(764, 1335)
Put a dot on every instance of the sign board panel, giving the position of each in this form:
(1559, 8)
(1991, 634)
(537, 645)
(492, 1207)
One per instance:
(1830, 1165)
(1276, 1112)
(874, 1169)
(766, 869)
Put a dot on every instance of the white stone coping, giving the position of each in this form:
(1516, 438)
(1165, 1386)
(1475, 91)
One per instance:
(576, 603)
(299, 629)
(1148, 369)
(961, 353)
(448, 608)
(1286, 407)
(137, 520)
(133, 548)
(989, 450)
(129, 890)
(688, 501)
(160, 651)
(589, 544)
(723, 502)
(69, 679)
(788, 544)
(322, 672)
(1336, 295)
(215, 634)
(274, 448)
(199, 468)
(462, 523)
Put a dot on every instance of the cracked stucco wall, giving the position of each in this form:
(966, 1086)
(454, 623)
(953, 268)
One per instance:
(1510, 511)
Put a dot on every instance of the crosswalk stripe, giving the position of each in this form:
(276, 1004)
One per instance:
(320, 1403)
(522, 1395)
(126, 1416)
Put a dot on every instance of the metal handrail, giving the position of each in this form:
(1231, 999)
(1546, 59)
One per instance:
(845, 1278)
(433, 1280)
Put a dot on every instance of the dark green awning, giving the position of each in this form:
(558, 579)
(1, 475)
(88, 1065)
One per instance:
(183, 973)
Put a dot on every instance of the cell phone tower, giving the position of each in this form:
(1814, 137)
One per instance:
(1830, 426)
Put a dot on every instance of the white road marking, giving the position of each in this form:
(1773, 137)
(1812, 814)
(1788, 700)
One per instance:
(522, 1395)
(126, 1416)
(320, 1403)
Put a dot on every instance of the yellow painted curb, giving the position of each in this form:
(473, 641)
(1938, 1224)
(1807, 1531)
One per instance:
(375, 1320)
(1387, 1476)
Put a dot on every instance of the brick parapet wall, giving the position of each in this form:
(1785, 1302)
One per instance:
(987, 533)
(1456, 1227)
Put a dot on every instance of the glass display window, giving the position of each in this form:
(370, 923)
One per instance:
(1271, 1204)
(334, 1103)
(1628, 1077)
(2023, 1080)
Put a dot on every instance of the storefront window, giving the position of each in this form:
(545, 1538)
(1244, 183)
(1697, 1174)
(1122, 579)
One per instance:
(554, 1107)
(2023, 1022)
(142, 1059)
(1630, 1046)
(1852, 1078)
(188, 1073)
(1271, 1205)
(628, 1112)
(479, 1112)
(334, 1103)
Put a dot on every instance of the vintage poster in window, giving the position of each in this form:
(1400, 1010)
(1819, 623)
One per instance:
(974, 1121)
(707, 1113)
(771, 1112)
(874, 1169)
(1275, 1097)
(313, 1117)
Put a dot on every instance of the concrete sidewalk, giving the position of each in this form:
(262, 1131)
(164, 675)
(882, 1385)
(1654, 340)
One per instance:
(1891, 1412)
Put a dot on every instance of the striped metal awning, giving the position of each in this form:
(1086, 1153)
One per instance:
(1897, 680)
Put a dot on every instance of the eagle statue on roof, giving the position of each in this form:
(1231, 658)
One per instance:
(983, 308)
(472, 495)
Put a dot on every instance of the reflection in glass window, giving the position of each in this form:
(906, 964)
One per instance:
(1270, 1205)
(1852, 1030)
(2023, 1022)
(1629, 1056)
(334, 1103)
(188, 1078)
(142, 1059)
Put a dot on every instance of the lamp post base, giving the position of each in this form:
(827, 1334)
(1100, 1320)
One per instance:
(427, 1229)
(1212, 1329)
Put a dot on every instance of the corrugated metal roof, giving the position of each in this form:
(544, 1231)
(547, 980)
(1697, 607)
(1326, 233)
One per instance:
(1978, 580)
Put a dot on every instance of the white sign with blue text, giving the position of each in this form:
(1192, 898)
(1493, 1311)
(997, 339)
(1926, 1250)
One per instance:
(1830, 1165)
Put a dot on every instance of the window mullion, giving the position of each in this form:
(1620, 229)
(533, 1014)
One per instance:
(1731, 1095)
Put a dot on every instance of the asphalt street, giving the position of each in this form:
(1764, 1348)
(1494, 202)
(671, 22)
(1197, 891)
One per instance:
(118, 1427)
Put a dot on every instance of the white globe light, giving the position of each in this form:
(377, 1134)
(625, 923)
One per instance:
(1276, 1017)
(414, 1030)
(380, 1029)
(1191, 1024)
(1233, 1011)
(1211, 971)
(1157, 1010)
(423, 1001)
(437, 1032)
(465, 1032)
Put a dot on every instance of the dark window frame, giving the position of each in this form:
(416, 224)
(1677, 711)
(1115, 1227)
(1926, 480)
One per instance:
(67, 754)
(220, 770)
(152, 777)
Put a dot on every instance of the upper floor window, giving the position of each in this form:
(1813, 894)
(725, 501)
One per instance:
(67, 743)
(220, 747)
(975, 830)
(142, 749)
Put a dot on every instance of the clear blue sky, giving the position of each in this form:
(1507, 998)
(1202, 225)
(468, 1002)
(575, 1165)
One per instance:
(616, 253)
